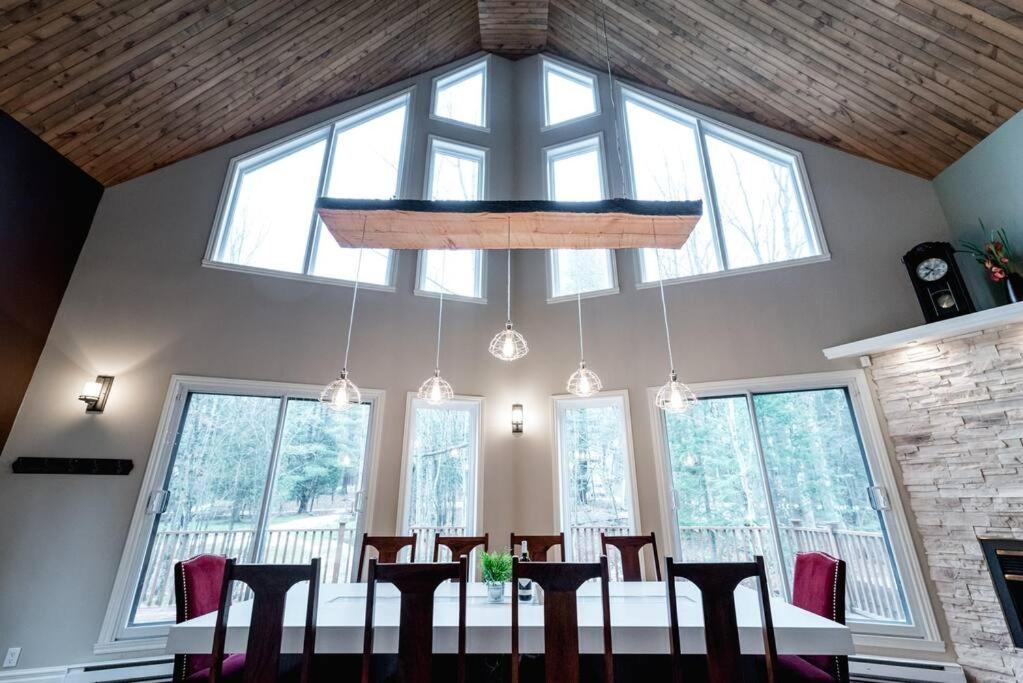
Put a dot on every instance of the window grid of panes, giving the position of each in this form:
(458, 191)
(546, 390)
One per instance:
(268, 220)
(575, 172)
(757, 207)
(455, 172)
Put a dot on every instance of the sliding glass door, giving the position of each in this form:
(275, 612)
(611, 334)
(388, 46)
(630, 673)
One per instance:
(775, 473)
(259, 475)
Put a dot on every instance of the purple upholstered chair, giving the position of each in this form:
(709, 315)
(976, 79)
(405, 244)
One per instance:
(819, 587)
(197, 584)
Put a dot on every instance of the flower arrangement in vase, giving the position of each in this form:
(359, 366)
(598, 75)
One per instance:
(999, 260)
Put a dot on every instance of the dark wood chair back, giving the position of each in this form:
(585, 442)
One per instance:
(629, 548)
(417, 584)
(459, 545)
(269, 584)
(387, 548)
(717, 583)
(539, 544)
(560, 581)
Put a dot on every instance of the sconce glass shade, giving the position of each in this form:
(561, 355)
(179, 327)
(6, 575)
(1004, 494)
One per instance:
(675, 397)
(435, 390)
(584, 382)
(517, 418)
(508, 344)
(341, 394)
(90, 392)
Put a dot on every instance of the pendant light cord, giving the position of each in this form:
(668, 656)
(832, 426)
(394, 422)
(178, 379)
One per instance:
(664, 306)
(355, 295)
(579, 306)
(614, 108)
(440, 310)
(509, 272)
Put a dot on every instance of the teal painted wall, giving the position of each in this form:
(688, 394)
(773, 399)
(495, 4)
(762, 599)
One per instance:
(986, 185)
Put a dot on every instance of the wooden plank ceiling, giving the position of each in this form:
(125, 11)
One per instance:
(122, 87)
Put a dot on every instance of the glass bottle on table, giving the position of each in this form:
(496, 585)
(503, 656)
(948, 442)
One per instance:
(525, 585)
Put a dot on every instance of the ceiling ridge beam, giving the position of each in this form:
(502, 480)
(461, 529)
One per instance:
(513, 27)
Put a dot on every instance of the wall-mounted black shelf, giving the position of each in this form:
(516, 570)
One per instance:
(71, 466)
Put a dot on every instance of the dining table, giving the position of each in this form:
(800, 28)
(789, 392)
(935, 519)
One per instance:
(639, 622)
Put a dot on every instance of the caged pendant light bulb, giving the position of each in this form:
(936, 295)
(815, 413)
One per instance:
(583, 382)
(674, 396)
(437, 390)
(508, 344)
(342, 394)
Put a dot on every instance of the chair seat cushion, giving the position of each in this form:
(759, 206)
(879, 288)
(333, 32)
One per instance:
(232, 669)
(794, 669)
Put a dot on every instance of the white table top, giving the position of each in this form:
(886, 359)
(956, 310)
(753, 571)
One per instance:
(639, 621)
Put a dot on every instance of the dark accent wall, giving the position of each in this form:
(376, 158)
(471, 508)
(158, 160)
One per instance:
(46, 207)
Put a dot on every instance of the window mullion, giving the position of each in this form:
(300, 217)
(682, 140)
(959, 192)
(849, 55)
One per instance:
(771, 513)
(713, 208)
(314, 224)
(259, 533)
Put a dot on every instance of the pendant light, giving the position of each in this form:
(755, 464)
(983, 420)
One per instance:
(508, 344)
(674, 396)
(342, 394)
(583, 382)
(436, 390)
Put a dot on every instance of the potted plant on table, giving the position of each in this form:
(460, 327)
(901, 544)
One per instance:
(999, 260)
(497, 571)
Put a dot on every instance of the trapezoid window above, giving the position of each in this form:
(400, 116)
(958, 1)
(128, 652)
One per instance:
(461, 96)
(568, 94)
(757, 208)
(268, 220)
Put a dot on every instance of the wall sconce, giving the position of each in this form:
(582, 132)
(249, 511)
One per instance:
(517, 418)
(95, 393)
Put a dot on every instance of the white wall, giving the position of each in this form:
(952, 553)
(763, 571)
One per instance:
(141, 307)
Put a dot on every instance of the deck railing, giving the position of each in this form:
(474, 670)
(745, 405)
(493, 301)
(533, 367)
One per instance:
(870, 587)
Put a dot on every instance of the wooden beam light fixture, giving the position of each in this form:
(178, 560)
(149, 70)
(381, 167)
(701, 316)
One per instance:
(423, 224)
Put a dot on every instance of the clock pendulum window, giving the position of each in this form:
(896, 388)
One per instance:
(939, 285)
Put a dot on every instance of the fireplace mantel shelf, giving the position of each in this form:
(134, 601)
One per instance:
(973, 322)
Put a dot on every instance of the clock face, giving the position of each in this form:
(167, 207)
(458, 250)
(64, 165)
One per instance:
(932, 269)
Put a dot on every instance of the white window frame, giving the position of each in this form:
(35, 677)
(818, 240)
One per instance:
(754, 144)
(115, 635)
(473, 506)
(466, 151)
(557, 403)
(922, 634)
(460, 74)
(550, 154)
(274, 150)
(568, 72)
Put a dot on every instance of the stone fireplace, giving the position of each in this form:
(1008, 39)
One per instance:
(954, 412)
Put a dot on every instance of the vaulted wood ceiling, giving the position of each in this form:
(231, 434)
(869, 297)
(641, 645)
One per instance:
(122, 87)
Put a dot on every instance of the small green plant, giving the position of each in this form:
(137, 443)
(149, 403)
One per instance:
(497, 567)
(996, 255)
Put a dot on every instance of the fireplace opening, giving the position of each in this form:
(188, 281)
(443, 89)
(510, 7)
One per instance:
(1005, 562)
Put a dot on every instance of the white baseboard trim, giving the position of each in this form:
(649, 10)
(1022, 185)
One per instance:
(867, 668)
(148, 668)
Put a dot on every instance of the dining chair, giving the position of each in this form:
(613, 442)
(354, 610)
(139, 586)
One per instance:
(818, 586)
(197, 583)
(538, 544)
(459, 545)
(629, 548)
(387, 548)
(559, 582)
(416, 584)
(269, 584)
(717, 583)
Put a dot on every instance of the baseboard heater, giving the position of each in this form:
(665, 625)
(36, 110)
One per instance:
(885, 670)
(122, 672)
